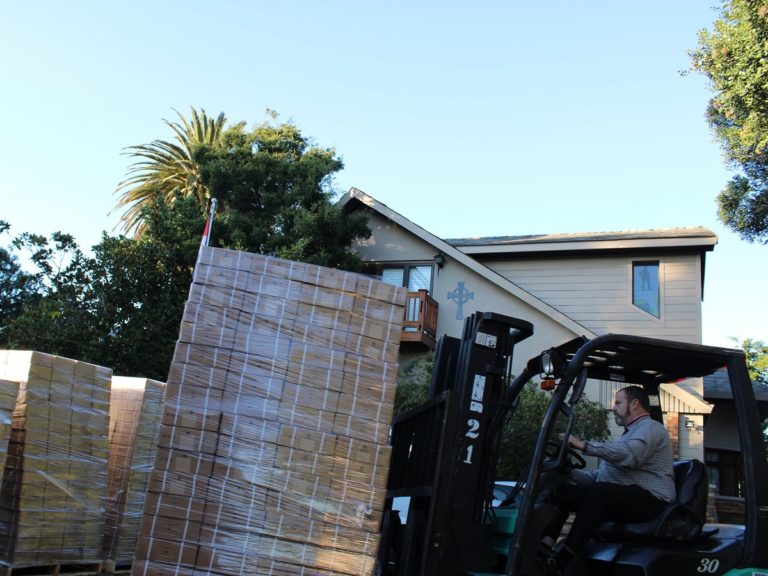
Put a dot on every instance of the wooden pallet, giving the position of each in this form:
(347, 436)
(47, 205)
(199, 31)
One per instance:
(109, 568)
(80, 569)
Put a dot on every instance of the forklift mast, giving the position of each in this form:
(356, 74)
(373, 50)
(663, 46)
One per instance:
(444, 453)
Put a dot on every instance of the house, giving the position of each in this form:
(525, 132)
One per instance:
(722, 447)
(647, 282)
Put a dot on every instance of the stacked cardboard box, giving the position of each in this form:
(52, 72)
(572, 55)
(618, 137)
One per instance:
(135, 410)
(8, 392)
(54, 484)
(273, 452)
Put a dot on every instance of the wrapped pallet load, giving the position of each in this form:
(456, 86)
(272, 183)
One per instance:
(8, 392)
(273, 450)
(54, 483)
(135, 410)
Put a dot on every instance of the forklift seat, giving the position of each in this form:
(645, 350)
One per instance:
(682, 520)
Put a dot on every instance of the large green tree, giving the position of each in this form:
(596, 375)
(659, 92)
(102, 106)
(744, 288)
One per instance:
(53, 304)
(276, 196)
(16, 285)
(166, 169)
(138, 289)
(734, 58)
(120, 307)
(756, 352)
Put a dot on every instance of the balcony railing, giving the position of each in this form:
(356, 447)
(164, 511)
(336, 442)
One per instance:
(420, 323)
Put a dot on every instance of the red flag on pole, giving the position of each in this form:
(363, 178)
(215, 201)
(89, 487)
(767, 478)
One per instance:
(209, 224)
(206, 232)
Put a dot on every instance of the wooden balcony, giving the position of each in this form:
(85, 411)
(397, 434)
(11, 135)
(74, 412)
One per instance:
(420, 323)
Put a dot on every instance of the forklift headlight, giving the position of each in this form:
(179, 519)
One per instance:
(547, 365)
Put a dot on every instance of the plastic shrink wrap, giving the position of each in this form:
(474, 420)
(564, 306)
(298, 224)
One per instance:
(135, 410)
(54, 481)
(8, 392)
(273, 450)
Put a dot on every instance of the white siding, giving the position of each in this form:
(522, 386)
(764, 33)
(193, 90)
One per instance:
(597, 292)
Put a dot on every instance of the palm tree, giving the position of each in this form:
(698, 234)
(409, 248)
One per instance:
(165, 168)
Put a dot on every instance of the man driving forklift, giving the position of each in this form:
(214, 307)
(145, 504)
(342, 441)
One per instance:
(634, 482)
(444, 455)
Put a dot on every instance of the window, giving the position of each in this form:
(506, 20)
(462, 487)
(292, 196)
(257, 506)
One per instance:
(412, 277)
(725, 469)
(645, 287)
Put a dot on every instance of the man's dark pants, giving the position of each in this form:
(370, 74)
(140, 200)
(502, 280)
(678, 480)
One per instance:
(598, 502)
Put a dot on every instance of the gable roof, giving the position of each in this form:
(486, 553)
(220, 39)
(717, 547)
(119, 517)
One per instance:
(717, 386)
(356, 195)
(676, 398)
(698, 239)
(467, 250)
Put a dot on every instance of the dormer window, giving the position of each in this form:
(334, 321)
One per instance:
(645, 287)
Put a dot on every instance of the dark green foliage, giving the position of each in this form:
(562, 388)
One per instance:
(734, 58)
(15, 285)
(165, 170)
(140, 288)
(743, 206)
(274, 188)
(52, 306)
(120, 308)
(520, 431)
(276, 196)
(413, 383)
(756, 352)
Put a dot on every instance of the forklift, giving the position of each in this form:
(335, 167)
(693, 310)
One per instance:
(445, 451)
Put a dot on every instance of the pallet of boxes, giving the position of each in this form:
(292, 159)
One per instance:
(273, 449)
(8, 392)
(53, 488)
(135, 410)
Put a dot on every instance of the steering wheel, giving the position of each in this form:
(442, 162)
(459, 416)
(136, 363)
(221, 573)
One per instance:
(573, 460)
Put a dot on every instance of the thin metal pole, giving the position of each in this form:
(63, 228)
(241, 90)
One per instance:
(209, 223)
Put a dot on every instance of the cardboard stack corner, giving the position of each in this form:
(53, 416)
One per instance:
(273, 452)
(8, 392)
(135, 410)
(54, 483)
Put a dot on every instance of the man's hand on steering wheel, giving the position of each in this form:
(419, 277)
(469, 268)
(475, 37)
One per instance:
(573, 458)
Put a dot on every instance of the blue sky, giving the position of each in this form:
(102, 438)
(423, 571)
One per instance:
(470, 119)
